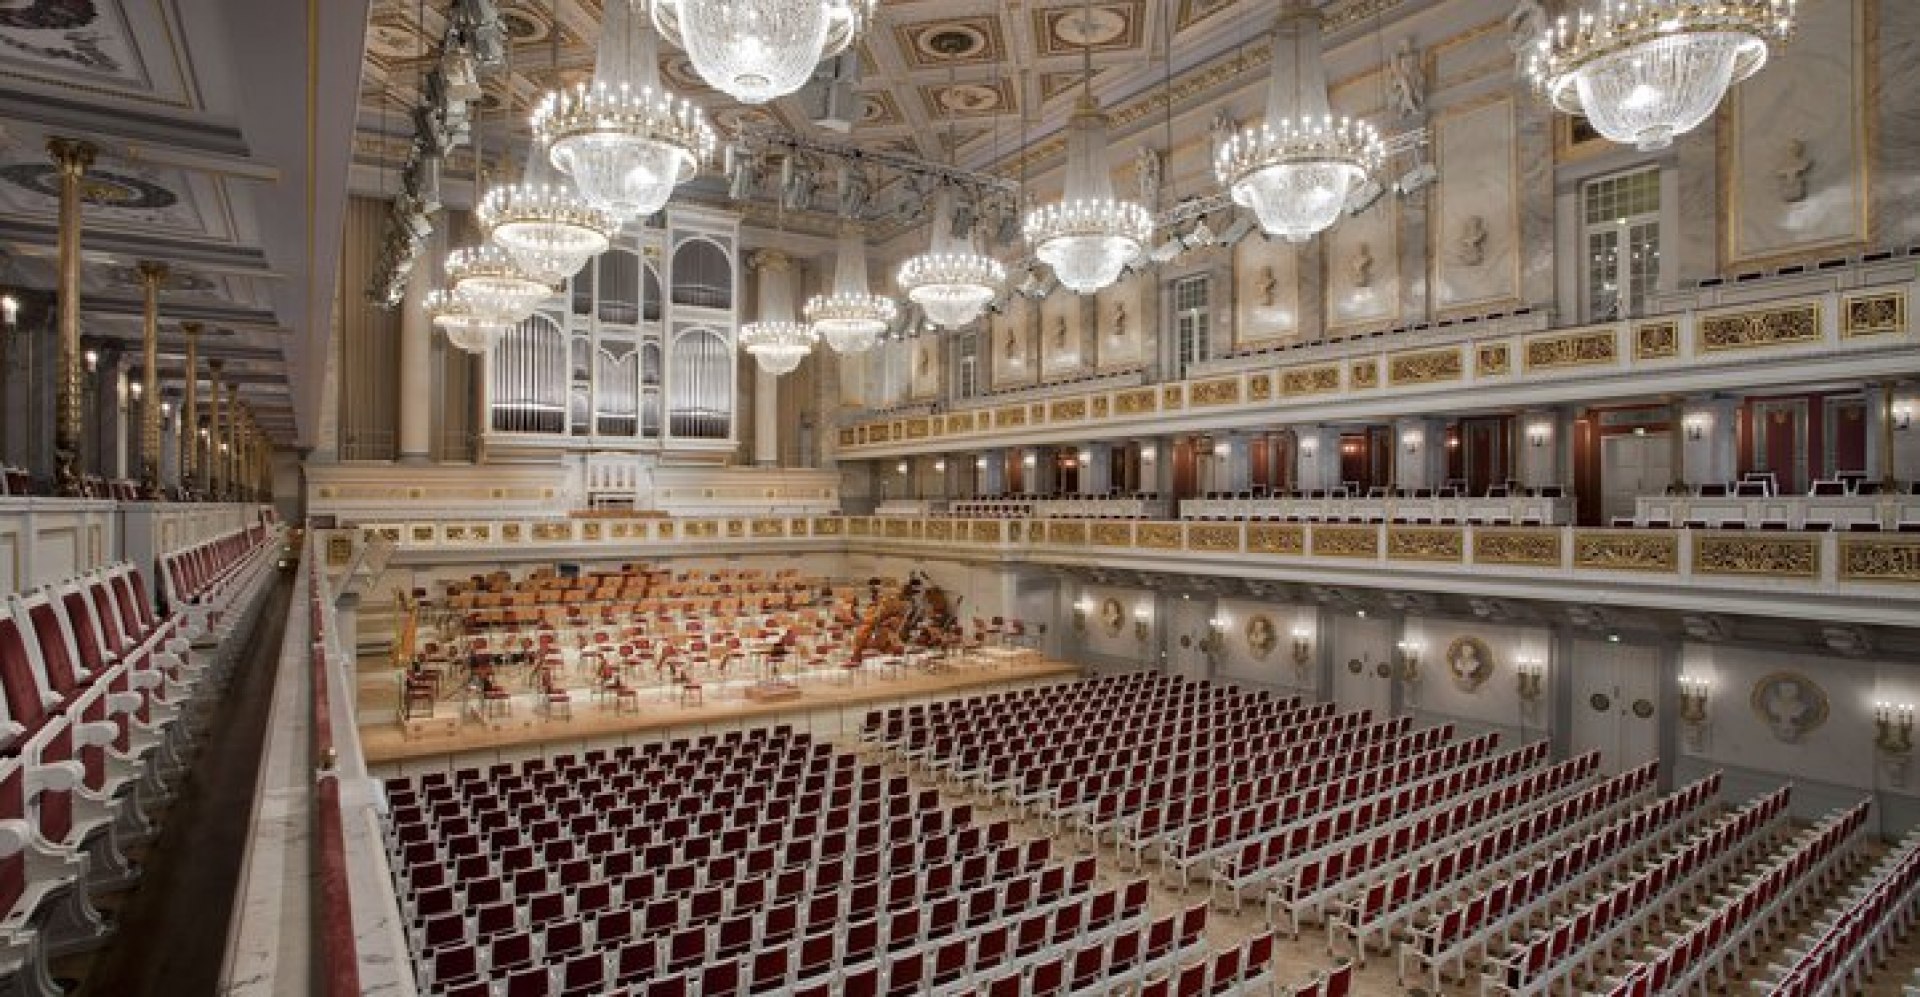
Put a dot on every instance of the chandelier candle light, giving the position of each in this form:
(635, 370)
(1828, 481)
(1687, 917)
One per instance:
(851, 319)
(757, 50)
(1089, 236)
(467, 326)
(493, 284)
(776, 341)
(550, 231)
(1644, 71)
(1296, 169)
(951, 281)
(624, 139)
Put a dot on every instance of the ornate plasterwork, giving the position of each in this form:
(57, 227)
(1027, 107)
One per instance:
(1259, 388)
(1271, 539)
(1013, 416)
(1469, 663)
(1139, 401)
(1365, 374)
(1492, 360)
(1536, 547)
(1627, 551)
(1212, 538)
(1794, 557)
(1879, 559)
(1346, 541)
(768, 527)
(1760, 328)
(1580, 349)
(1873, 314)
(1068, 409)
(1261, 635)
(1425, 543)
(1424, 367)
(1172, 396)
(1067, 532)
(1221, 391)
(1310, 380)
(939, 529)
(1112, 535)
(1656, 340)
(1157, 536)
(1790, 704)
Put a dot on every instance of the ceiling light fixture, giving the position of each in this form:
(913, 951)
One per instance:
(551, 231)
(1296, 168)
(467, 326)
(852, 318)
(951, 281)
(1645, 71)
(1089, 236)
(624, 139)
(757, 50)
(489, 279)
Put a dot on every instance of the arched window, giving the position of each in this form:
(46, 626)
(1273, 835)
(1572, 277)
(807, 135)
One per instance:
(530, 378)
(702, 275)
(700, 386)
(619, 287)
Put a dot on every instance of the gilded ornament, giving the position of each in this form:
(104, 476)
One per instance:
(1259, 387)
(1879, 559)
(1424, 543)
(1066, 532)
(1220, 391)
(1424, 367)
(1015, 416)
(1492, 360)
(1346, 541)
(1873, 314)
(1139, 401)
(986, 531)
(1580, 349)
(1796, 557)
(1263, 538)
(1212, 537)
(939, 529)
(1068, 409)
(1170, 396)
(1112, 535)
(769, 528)
(1366, 374)
(1656, 340)
(897, 529)
(917, 429)
(1522, 546)
(1759, 329)
(1157, 536)
(1624, 551)
(1310, 380)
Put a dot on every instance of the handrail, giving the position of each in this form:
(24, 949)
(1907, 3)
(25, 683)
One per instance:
(336, 957)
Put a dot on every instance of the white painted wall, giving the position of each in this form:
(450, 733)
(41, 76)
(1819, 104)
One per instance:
(1495, 704)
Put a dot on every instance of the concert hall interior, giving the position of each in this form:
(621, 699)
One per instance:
(695, 498)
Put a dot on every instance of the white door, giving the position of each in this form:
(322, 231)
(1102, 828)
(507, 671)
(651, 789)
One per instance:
(1360, 649)
(1632, 466)
(1187, 627)
(1615, 702)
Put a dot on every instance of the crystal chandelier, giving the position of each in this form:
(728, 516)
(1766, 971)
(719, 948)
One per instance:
(1295, 170)
(1089, 236)
(756, 50)
(547, 228)
(624, 140)
(950, 281)
(851, 319)
(488, 278)
(467, 326)
(1644, 71)
(779, 345)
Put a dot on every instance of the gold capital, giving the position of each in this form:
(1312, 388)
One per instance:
(70, 154)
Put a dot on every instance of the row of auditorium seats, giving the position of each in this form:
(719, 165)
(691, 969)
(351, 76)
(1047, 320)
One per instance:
(98, 692)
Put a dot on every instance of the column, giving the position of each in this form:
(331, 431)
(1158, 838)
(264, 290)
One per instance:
(72, 157)
(113, 461)
(188, 433)
(775, 305)
(1889, 476)
(1677, 440)
(152, 275)
(215, 481)
(413, 437)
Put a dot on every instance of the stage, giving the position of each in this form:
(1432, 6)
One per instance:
(386, 741)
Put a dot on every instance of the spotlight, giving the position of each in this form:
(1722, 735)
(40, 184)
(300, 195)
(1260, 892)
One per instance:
(479, 24)
(1365, 196)
(1242, 227)
(1166, 251)
(1201, 236)
(456, 64)
(1417, 179)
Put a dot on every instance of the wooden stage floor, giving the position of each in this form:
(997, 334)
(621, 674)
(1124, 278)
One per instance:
(383, 741)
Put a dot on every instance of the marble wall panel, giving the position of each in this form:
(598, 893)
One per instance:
(1267, 277)
(1476, 215)
(1060, 333)
(1010, 331)
(1362, 275)
(1122, 322)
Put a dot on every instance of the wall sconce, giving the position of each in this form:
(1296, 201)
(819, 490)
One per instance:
(1148, 453)
(1893, 736)
(1453, 441)
(1409, 660)
(1141, 616)
(1216, 639)
(1902, 415)
(166, 410)
(1693, 709)
(1029, 460)
(1308, 449)
(1223, 449)
(9, 310)
(136, 389)
(1411, 440)
(1302, 645)
(940, 466)
(1696, 425)
(980, 463)
(93, 361)
(900, 469)
(1530, 673)
(1537, 435)
(1080, 611)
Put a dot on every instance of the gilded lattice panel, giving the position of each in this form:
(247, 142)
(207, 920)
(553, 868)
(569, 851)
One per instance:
(769, 527)
(1789, 557)
(859, 526)
(1171, 397)
(917, 429)
(736, 529)
(1656, 340)
(549, 532)
(339, 550)
(1112, 535)
(1260, 387)
(986, 532)
(1424, 367)
(1213, 537)
(423, 534)
(898, 529)
(1067, 533)
(1014, 416)
(1100, 406)
(1346, 541)
(1579, 349)
(1139, 401)
(1310, 380)
(1272, 539)
(1157, 536)
(1492, 360)
(939, 529)
(1366, 374)
(1420, 543)
(1873, 314)
(1536, 547)
(827, 527)
(1759, 329)
(1879, 559)
(1068, 409)
(1220, 391)
(1625, 551)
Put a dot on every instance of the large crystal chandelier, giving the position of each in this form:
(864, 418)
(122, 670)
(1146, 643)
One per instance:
(1644, 71)
(467, 326)
(550, 231)
(1296, 168)
(777, 345)
(489, 279)
(624, 140)
(756, 50)
(951, 282)
(1089, 236)
(852, 318)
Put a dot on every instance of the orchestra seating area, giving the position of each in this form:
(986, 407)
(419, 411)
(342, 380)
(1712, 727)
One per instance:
(103, 688)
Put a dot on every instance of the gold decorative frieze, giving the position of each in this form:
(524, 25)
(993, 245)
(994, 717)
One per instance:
(549, 532)
(986, 532)
(1138, 401)
(1880, 559)
(390, 533)
(1873, 314)
(1067, 409)
(423, 534)
(1425, 543)
(1213, 537)
(1038, 412)
(510, 532)
(798, 527)
(859, 526)
(1618, 550)
(455, 532)
(589, 530)
(1492, 360)
(339, 550)
(1747, 554)
(1365, 374)
(1100, 406)
(624, 530)
(1594, 347)
(898, 528)
(1311, 380)
(664, 530)
(917, 429)
(1656, 340)
(1523, 546)
(939, 529)
(1259, 387)
(1069, 532)
(769, 527)
(1012, 416)
(1112, 535)
(1171, 397)
(1759, 328)
(1219, 391)
(1424, 367)
(701, 529)
(1157, 536)
(827, 527)
(960, 422)
(1268, 538)
(736, 529)
(1348, 541)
